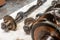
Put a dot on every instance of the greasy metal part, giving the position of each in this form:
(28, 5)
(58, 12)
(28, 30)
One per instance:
(39, 27)
(8, 24)
(29, 11)
(55, 8)
(32, 21)
(28, 25)
(21, 15)
(35, 33)
(54, 4)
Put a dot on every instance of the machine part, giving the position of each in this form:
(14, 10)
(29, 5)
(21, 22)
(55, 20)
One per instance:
(29, 22)
(54, 10)
(28, 25)
(40, 31)
(40, 2)
(9, 23)
(30, 10)
(21, 15)
(2, 2)
(38, 15)
(55, 4)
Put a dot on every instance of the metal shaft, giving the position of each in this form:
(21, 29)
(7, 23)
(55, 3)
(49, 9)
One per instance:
(22, 15)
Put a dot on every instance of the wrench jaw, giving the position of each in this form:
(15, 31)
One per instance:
(8, 24)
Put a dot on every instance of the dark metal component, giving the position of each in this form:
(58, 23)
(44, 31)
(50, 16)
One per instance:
(55, 8)
(11, 23)
(28, 25)
(30, 10)
(3, 25)
(39, 15)
(28, 21)
(55, 4)
(52, 25)
(27, 29)
(8, 24)
(43, 24)
(19, 16)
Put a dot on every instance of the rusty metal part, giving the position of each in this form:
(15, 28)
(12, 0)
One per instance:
(36, 30)
(39, 27)
(9, 23)
(28, 25)
(2, 2)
